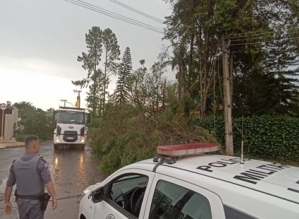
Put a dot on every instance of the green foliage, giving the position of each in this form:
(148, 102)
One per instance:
(127, 134)
(111, 50)
(195, 30)
(124, 73)
(39, 123)
(147, 87)
(23, 108)
(35, 122)
(136, 84)
(94, 96)
(263, 50)
(269, 137)
(98, 42)
(20, 137)
(111, 54)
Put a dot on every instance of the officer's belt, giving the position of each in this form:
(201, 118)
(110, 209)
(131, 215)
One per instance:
(32, 197)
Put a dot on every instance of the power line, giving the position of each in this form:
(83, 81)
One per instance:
(255, 43)
(114, 15)
(137, 11)
(262, 37)
(255, 34)
(250, 32)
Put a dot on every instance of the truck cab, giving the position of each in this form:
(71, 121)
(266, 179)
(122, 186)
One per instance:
(71, 129)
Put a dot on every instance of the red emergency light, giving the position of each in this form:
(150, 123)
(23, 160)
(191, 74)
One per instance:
(188, 149)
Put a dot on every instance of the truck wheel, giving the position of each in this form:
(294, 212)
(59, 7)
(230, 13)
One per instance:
(56, 147)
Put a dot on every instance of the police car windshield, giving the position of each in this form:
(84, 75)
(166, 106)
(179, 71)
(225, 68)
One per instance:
(71, 117)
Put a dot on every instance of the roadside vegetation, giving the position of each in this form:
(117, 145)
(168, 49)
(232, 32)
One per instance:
(34, 121)
(146, 109)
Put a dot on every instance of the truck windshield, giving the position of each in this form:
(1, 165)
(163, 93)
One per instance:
(69, 117)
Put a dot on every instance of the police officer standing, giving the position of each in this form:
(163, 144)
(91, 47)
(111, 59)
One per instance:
(31, 174)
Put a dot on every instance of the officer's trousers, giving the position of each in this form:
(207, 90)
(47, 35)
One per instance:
(30, 209)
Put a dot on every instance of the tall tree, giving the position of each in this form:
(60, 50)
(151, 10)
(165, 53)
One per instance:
(266, 74)
(155, 87)
(195, 29)
(91, 60)
(94, 96)
(111, 54)
(282, 68)
(124, 73)
(137, 89)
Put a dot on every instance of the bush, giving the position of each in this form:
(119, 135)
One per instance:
(20, 137)
(37, 122)
(266, 137)
(128, 134)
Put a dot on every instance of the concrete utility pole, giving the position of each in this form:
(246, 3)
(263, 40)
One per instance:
(227, 102)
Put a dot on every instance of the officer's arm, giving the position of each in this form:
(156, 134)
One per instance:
(51, 190)
(11, 181)
(43, 169)
(7, 194)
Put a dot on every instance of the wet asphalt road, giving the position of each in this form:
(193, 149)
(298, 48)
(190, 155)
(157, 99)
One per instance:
(71, 170)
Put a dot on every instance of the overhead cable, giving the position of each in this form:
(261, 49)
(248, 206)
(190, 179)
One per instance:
(256, 34)
(260, 42)
(137, 11)
(266, 37)
(114, 15)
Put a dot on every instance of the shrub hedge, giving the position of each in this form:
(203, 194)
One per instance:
(265, 137)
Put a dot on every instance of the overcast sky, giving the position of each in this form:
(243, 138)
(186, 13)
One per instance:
(41, 40)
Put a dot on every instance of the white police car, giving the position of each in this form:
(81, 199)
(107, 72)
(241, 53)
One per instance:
(205, 186)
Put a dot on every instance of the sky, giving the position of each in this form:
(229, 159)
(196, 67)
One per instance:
(41, 40)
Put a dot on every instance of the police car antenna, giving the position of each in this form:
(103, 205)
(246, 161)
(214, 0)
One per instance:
(242, 141)
(242, 145)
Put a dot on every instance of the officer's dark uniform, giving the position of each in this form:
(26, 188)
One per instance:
(30, 172)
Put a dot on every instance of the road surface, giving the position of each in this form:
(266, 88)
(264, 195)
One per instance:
(71, 171)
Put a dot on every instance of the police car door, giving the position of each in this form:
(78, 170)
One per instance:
(174, 198)
(124, 195)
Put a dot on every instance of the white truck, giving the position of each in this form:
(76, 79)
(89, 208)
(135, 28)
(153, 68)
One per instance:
(71, 129)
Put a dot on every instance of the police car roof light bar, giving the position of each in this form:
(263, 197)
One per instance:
(181, 150)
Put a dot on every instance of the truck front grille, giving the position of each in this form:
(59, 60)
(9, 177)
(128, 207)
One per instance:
(70, 136)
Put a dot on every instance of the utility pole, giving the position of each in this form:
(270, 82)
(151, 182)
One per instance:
(78, 98)
(229, 147)
(64, 102)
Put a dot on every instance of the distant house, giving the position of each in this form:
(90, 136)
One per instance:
(10, 121)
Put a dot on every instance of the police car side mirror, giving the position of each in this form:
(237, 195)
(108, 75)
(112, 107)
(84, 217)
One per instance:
(97, 195)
